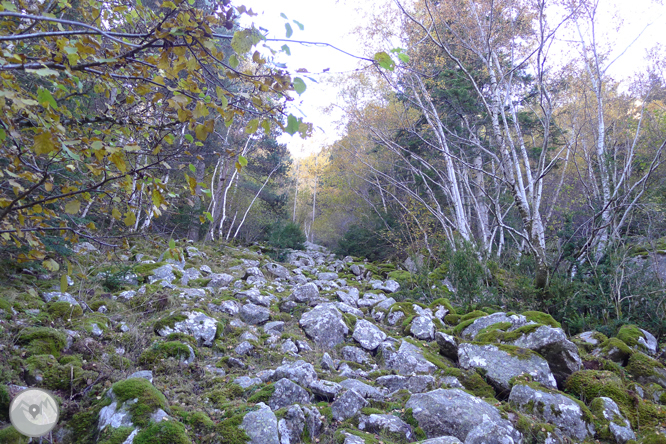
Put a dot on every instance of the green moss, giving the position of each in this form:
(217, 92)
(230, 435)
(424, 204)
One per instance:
(613, 346)
(71, 360)
(164, 432)
(629, 334)
(64, 310)
(467, 320)
(200, 282)
(472, 381)
(115, 436)
(643, 366)
(182, 337)
(400, 276)
(493, 333)
(452, 319)
(57, 376)
(10, 435)
(371, 410)
(43, 341)
(229, 431)
(4, 402)
(542, 318)
(653, 437)
(147, 269)
(433, 358)
(444, 302)
(7, 308)
(164, 350)
(350, 321)
(169, 321)
(149, 399)
(262, 395)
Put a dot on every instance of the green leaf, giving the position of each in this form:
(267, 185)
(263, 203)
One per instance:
(289, 30)
(3, 135)
(292, 125)
(233, 61)
(243, 41)
(193, 168)
(242, 160)
(208, 216)
(63, 283)
(172, 243)
(252, 126)
(299, 85)
(299, 24)
(189, 138)
(266, 125)
(403, 57)
(385, 60)
(44, 98)
(286, 50)
(282, 14)
(51, 265)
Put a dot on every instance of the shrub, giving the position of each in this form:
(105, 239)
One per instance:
(289, 235)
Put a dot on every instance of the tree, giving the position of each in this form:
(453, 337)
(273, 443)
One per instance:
(100, 105)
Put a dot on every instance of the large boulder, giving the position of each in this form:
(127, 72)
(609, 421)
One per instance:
(347, 405)
(618, 426)
(305, 293)
(219, 280)
(554, 408)
(194, 323)
(552, 344)
(386, 424)
(254, 314)
(276, 270)
(454, 412)
(363, 389)
(291, 426)
(503, 362)
(423, 328)
(368, 335)
(324, 325)
(261, 426)
(515, 321)
(287, 393)
(301, 372)
(407, 360)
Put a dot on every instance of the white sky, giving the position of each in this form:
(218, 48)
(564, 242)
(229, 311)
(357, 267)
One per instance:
(332, 21)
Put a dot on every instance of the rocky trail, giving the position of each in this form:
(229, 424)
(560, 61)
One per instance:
(228, 346)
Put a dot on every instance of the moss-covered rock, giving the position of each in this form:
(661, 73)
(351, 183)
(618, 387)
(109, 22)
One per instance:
(42, 341)
(164, 350)
(541, 318)
(615, 350)
(164, 432)
(443, 302)
(262, 395)
(149, 399)
(64, 310)
(114, 436)
(10, 435)
(44, 371)
(646, 370)
(169, 321)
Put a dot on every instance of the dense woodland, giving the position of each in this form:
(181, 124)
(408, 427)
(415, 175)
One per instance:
(472, 145)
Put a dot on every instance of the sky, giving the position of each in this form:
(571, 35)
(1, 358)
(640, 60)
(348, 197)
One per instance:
(333, 21)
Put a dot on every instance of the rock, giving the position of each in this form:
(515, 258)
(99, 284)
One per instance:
(163, 273)
(327, 362)
(386, 424)
(368, 335)
(246, 382)
(491, 433)
(350, 298)
(325, 389)
(254, 296)
(254, 314)
(244, 348)
(453, 412)
(393, 383)
(327, 276)
(356, 270)
(202, 327)
(205, 270)
(349, 309)
(363, 389)
(479, 324)
(219, 280)
(500, 365)
(189, 274)
(313, 423)
(261, 426)
(648, 342)
(96, 331)
(194, 293)
(291, 426)
(389, 286)
(253, 271)
(324, 325)
(126, 295)
(618, 424)
(300, 372)
(355, 354)
(552, 344)
(288, 393)
(57, 296)
(288, 346)
(394, 317)
(553, 408)
(413, 264)
(274, 327)
(423, 328)
(448, 346)
(276, 270)
(305, 293)
(369, 300)
(347, 405)
(420, 383)
(408, 360)
(442, 440)
(352, 439)
(229, 307)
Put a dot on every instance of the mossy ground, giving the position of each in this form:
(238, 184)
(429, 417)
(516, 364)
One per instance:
(164, 432)
(42, 341)
(149, 399)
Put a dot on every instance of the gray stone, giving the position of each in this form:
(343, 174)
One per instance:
(552, 344)
(163, 273)
(619, 427)
(325, 389)
(349, 309)
(313, 423)
(387, 424)
(219, 280)
(261, 426)
(244, 348)
(648, 342)
(145, 374)
(392, 383)
(420, 383)
(126, 295)
(288, 393)
(95, 330)
(356, 270)
(300, 372)
(363, 389)
(276, 270)
(291, 426)
(489, 432)
(352, 439)
(423, 328)
(349, 298)
(324, 325)
(303, 346)
(442, 440)
(368, 335)
(246, 382)
(370, 300)
(274, 327)
(194, 293)
(500, 365)
(389, 286)
(327, 362)
(205, 269)
(57, 296)
(327, 276)
(553, 408)
(254, 296)
(408, 360)
(288, 346)
(189, 274)
(305, 293)
(253, 271)
(453, 412)
(254, 314)
(394, 317)
(479, 324)
(230, 307)
(448, 346)
(355, 354)
(202, 327)
(347, 405)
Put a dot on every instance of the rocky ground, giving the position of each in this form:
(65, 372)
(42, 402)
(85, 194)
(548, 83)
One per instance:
(224, 345)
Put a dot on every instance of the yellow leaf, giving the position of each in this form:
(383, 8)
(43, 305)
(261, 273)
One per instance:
(51, 265)
(116, 214)
(130, 218)
(201, 132)
(118, 160)
(200, 110)
(48, 186)
(43, 143)
(72, 207)
(157, 197)
(63, 283)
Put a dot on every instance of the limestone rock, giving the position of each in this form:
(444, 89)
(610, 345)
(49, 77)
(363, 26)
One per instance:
(368, 335)
(305, 293)
(288, 393)
(324, 325)
(386, 424)
(202, 327)
(423, 328)
(261, 426)
(408, 360)
(347, 405)
(254, 314)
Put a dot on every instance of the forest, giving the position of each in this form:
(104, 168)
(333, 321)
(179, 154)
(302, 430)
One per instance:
(474, 147)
